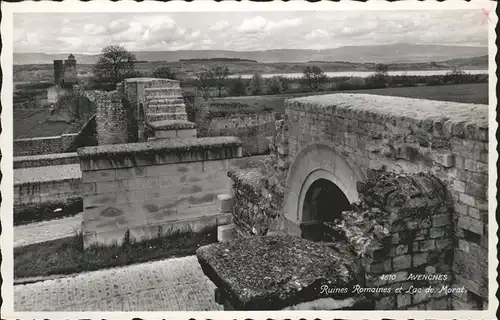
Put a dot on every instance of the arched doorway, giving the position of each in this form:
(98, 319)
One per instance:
(319, 178)
(323, 201)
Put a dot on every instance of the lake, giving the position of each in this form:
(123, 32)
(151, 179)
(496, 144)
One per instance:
(362, 74)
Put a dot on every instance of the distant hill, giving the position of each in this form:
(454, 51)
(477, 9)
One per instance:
(395, 53)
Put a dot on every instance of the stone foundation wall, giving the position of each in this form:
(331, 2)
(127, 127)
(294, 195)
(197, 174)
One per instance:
(43, 145)
(256, 204)
(45, 160)
(448, 140)
(111, 119)
(46, 191)
(153, 188)
(254, 130)
(402, 231)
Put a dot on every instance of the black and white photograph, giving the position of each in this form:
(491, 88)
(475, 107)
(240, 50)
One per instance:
(195, 159)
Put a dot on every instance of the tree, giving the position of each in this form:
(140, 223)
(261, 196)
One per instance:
(164, 73)
(275, 84)
(378, 79)
(382, 69)
(314, 77)
(256, 84)
(220, 74)
(237, 87)
(204, 80)
(114, 64)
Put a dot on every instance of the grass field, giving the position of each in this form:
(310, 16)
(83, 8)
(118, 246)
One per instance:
(33, 123)
(465, 93)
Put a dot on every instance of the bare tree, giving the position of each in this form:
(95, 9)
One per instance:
(114, 64)
(204, 80)
(382, 69)
(220, 74)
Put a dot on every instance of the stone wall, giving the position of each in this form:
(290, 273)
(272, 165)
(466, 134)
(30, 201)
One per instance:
(448, 140)
(256, 203)
(45, 160)
(43, 145)
(401, 228)
(111, 119)
(40, 192)
(254, 129)
(153, 188)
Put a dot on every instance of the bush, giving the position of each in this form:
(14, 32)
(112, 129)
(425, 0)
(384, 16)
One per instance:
(257, 85)
(237, 87)
(276, 84)
(164, 73)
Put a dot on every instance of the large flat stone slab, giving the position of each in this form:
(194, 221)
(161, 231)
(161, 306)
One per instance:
(275, 272)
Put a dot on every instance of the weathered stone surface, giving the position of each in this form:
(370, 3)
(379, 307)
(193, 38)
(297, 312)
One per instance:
(274, 272)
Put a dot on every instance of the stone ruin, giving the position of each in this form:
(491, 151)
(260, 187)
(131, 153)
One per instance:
(407, 183)
(400, 227)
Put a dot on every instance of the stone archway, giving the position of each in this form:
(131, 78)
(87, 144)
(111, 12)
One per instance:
(315, 165)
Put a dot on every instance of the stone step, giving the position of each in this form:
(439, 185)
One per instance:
(158, 105)
(162, 92)
(169, 100)
(166, 109)
(151, 117)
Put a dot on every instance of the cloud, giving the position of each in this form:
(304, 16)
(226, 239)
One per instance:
(318, 33)
(254, 24)
(219, 25)
(93, 29)
(90, 32)
(284, 24)
(259, 23)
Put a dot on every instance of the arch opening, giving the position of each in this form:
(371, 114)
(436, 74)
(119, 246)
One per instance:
(320, 185)
(323, 201)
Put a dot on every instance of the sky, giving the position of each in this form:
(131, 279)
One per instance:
(243, 31)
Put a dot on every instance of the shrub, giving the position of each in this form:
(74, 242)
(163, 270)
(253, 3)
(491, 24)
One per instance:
(276, 84)
(257, 84)
(237, 87)
(164, 73)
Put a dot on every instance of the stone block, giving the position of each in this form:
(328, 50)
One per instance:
(443, 243)
(436, 232)
(424, 245)
(463, 245)
(99, 199)
(474, 213)
(440, 220)
(127, 173)
(459, 186)
(403, 300)
(386, 303)
(420, 259)
(224, 203)
(467, 199)
(89, 188)
(461, 208)
(421, 234)
(142, 183)
(446, 160)
(98, 176)
(471, 224)
(226, 232)
(401, 262)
